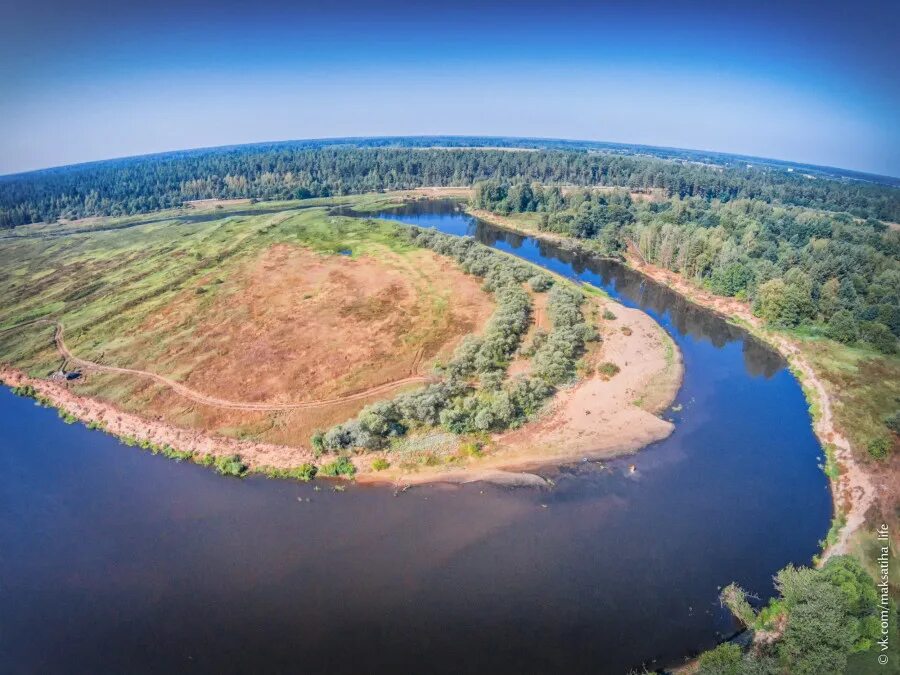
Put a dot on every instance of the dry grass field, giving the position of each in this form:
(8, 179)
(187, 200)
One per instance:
(276, 308)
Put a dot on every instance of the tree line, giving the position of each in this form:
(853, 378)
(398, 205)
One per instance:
(300, 170)
(798, 266)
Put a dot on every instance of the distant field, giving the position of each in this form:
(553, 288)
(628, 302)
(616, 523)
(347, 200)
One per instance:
(296, 305)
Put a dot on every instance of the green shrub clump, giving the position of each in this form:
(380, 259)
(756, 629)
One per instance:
(25, 390)
(540, 283)
(608, 369)
(879, 447)
(230, 465)
(893, 422)
(556, 358)
(342, 466)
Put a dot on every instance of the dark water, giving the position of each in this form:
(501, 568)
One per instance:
(113, 560)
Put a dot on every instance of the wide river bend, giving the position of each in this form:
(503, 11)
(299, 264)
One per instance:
(115, 560)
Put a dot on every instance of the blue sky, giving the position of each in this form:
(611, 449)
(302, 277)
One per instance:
(811, 82)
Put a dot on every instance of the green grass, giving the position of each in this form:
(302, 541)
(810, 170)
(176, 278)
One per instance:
(304, 472)
(380, 464)
(342, 466)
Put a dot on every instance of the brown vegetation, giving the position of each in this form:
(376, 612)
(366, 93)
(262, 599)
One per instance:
(289, 327)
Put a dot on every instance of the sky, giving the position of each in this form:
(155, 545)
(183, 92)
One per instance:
(812, 82)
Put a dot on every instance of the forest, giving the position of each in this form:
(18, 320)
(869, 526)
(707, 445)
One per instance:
(297, 170)
(798, 266)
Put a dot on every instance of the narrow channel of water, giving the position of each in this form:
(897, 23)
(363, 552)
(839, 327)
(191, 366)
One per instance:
(114, 560)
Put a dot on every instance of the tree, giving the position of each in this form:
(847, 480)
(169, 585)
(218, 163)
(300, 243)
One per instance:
(879, 336)
(770, 301)
(843, 327)
(827, 614)
(726, 659)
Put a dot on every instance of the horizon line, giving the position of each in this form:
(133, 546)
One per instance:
(337, 140)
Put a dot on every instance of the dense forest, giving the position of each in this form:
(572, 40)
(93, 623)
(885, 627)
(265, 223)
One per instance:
(798, 266)
(297, 170)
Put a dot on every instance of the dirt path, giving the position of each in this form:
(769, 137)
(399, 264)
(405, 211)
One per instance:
(199, 397)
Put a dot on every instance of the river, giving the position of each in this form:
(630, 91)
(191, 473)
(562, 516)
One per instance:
(115, 560)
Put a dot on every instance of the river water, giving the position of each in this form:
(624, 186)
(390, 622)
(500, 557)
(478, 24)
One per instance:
(114, 560)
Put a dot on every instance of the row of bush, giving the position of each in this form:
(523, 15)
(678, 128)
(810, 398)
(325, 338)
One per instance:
(556, 356)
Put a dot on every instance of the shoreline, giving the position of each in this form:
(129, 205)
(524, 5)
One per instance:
(852, 491)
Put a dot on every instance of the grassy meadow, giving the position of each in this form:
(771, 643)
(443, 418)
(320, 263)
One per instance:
(166, 292)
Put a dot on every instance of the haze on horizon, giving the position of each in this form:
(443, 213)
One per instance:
(801, 81)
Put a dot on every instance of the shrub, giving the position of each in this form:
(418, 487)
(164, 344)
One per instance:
(66, 416)
(25, 390)
(472, 449)
(493, 380)
(540, 283)
(879, 336)
(723, 660)
(735, 599)
(879, 447)
(318, 443)
(380, 464)
(537, 339)
(609, 316)
(230, 465)
(342, 466)
(305, 472)
(608, 369)
(893, 422)
(555, 359)
(842, 327)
